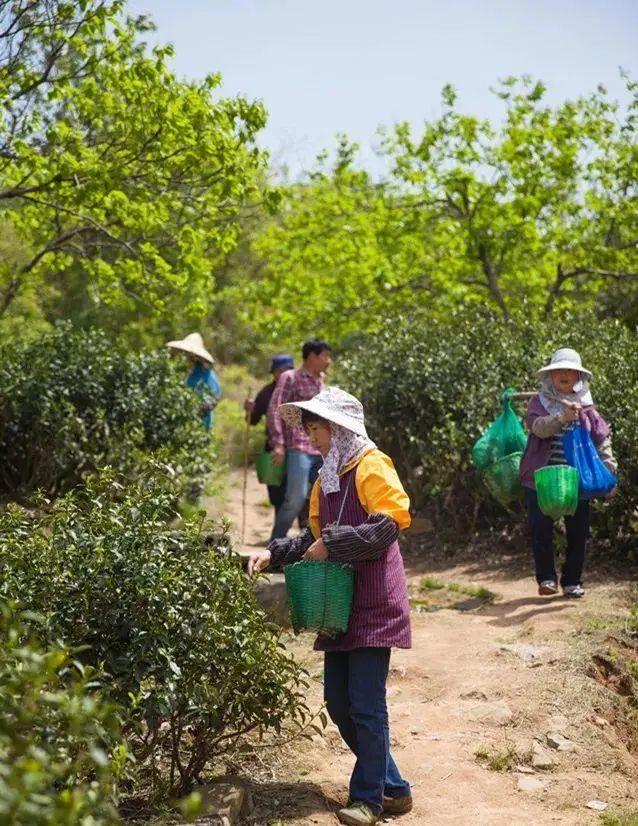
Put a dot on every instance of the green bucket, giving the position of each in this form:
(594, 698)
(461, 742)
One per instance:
(557, 490)
(268, 472)
(319, 596)
(502, 478)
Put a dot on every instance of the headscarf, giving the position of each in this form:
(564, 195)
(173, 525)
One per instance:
(551, 397)
(345, 447)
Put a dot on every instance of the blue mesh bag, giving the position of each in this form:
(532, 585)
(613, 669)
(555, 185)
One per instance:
(580, 452)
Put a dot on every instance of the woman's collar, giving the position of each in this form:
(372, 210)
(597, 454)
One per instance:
(356, 461)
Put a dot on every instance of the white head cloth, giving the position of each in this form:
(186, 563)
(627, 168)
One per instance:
(346, 447)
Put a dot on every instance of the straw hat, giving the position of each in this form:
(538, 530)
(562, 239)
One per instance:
(193, 344)
(565, 359)
(333, 404)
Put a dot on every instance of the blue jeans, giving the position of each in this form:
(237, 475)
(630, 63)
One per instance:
(301, 473)
(354, 691)
(542, 527)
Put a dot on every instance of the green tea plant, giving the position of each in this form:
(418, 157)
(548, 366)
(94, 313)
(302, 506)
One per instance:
(73, 401)
(60, 749)
(431, 388)
(191, 659)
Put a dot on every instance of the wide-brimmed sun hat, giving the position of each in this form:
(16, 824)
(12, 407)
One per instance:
(194, 345)
(333, 404)
(565, 359)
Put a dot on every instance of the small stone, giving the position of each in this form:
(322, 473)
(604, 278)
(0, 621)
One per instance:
(475, 694)
(524, 769)
(226, 799)
(597, 805)
(497, 713)
(528, 653)
(600, 722)
(555, 740)
(541, 759)
(530, 784)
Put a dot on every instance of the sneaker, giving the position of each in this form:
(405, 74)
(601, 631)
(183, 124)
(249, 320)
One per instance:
(573, 591)
(547, 588)
(397, 805)
(357, 814)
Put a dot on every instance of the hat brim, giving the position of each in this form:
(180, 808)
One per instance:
(291, 414)
(184, 348)
(564, 365)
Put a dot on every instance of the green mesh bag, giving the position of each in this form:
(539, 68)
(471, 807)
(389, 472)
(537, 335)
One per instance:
(502, 478)
(504, 437)
(319, 596)
(557, 490)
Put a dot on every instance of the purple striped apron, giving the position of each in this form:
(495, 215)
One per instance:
(380, 616)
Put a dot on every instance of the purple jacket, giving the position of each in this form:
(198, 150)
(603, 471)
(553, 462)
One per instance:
(537, 451)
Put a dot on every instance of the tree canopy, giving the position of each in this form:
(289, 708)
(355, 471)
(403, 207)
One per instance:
(540, 210)
(111, 166)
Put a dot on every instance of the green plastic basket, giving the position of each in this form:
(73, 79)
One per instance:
(503, 478)
(557, 490)
(319, 596)
(268, 472)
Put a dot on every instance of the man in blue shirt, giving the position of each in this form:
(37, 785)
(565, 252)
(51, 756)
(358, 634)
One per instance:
(202, 379)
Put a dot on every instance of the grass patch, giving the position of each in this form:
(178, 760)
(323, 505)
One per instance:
(628, 817)
(497, 760)
(430, 583)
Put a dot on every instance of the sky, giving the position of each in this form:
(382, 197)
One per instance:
(350, 66)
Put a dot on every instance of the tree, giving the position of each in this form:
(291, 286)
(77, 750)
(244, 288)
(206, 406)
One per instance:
(540, 211)
(543, 210)
(111, 167)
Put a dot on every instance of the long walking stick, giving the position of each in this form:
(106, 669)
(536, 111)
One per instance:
(243, 498)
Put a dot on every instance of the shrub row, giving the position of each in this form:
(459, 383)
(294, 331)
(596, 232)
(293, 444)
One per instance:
(61, 754)
(190, 659)
(432, 387)
(73, 401)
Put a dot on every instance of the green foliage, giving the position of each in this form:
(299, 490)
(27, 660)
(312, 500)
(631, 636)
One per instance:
(498, 760)
(60, 748)
(229, 427)
(72, 401)
(191, 659)
(540, 208)
(478, 591)
(117, 178)
(430, 388)
(626, 817)
(230, 432)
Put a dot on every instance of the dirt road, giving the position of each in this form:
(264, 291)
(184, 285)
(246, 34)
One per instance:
(480, 686)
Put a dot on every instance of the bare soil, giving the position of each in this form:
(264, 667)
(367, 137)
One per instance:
(458, 692)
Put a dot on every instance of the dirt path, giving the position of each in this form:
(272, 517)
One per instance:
(456, 692)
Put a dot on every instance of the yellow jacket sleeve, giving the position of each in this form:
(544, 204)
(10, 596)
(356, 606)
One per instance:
(313, 516)
(380, 489)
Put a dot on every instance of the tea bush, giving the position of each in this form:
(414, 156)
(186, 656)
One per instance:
(431, 388)
(60, 748)
(190, 656)
(73, 400)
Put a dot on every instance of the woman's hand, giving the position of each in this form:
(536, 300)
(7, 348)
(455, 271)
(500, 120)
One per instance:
(611, 493)
(278, 455)
(571, 413)
(317, 552)
(258, 562)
